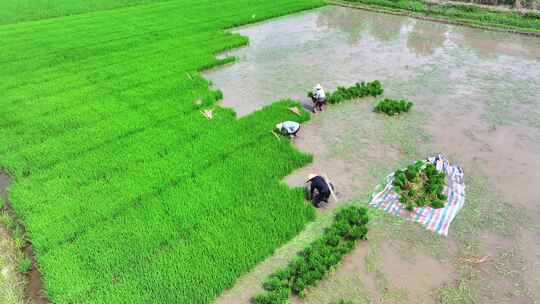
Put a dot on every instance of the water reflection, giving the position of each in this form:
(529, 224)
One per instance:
(426, 37)
(490, 44)
(352, 25)
(337, 46)
(386, 28)
(343, 21)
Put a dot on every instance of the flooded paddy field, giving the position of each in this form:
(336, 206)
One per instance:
(477, 100)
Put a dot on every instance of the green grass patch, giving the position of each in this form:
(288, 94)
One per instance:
(24, 265)
(529, 22)
(127, 192)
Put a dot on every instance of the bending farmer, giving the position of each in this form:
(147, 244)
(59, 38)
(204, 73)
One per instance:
(319, 190)
(319, 98)
(288, 128)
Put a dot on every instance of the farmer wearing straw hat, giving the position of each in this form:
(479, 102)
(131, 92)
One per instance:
(290, 128)
(319, 97)
(319, 186)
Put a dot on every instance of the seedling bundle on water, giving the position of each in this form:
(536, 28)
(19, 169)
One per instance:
(420, 185)
(392, 107)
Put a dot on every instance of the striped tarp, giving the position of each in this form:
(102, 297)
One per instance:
(437, 220)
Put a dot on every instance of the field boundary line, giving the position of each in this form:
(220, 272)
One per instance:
(33, 276)
(406, 13)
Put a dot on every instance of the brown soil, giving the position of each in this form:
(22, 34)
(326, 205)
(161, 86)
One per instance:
(508, 154)
(419, 276)
(413, 280)
(35, 288)
(4, 184)
(353, 269)
(531, 239)
(349, 172)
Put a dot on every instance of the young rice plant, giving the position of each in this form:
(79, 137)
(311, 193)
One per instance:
(313, 263)
(420, 185)
(127, 193)
(358, 90)
(393, 107)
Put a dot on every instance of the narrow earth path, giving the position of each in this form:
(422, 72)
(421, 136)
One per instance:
(30, 286)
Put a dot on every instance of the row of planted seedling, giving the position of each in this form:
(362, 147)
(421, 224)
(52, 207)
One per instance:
(364, 89)
(316, 260)
(358, 90)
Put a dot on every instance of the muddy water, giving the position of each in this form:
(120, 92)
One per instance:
(476, 94)
(481, 88)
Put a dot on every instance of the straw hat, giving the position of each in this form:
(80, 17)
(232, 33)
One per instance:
(279, 126)
(310, 176)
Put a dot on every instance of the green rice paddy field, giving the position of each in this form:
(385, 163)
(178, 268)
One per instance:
(127, 192)
(12, 11)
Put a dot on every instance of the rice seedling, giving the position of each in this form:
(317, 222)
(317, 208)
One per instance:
(18, 238)
(114, 165)
(362, 89)
(393, 107)
(24, 264)
(14, 12)
(7, 220)
(313, 263)
(420, 185)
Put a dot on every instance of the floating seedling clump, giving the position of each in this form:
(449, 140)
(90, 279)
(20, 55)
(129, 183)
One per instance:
(420, 185)
(392, 107)
(362, 89)
(313, 263)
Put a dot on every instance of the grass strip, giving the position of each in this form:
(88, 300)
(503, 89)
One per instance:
(510, 21)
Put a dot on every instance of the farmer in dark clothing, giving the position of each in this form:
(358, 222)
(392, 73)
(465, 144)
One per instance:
(319, 190)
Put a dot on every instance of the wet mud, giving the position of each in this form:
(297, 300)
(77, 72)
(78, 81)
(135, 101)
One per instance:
(394, 280)
(419, 276)
(342, 152)
(34, 284)
(477, 100)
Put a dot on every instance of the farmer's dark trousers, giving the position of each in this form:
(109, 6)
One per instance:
(321, 197)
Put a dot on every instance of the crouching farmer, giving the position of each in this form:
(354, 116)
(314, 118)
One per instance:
(319, 190)
(290, 128)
